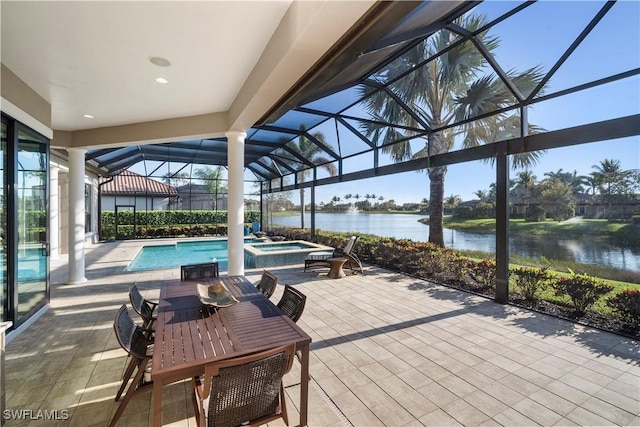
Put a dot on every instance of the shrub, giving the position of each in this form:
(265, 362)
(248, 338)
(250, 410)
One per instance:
(484, 272)
(175, 223)
(530, 280)
(448, 266)
(463, 212)
(583, 290)
(535, 214)
(626, 304)
(485, 210)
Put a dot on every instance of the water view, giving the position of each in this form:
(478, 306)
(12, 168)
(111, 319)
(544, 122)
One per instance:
(406, 226)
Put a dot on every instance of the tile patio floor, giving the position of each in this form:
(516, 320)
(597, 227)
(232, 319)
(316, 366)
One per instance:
(388, 350)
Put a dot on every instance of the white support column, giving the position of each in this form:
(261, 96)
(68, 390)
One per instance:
(76, 216)
(235, 216)
(54, 215)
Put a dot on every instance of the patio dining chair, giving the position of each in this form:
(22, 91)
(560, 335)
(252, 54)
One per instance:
(267, 284)
(246, 390)
(142, 306)
(319, 258)
(136, 342)
(292, 302)
(199, 271)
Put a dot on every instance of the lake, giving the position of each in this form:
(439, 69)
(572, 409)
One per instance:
(406, 226)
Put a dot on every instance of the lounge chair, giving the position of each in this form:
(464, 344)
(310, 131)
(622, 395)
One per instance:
(320, 259)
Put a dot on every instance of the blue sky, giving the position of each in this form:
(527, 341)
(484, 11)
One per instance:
(613, 47)
(539, 35)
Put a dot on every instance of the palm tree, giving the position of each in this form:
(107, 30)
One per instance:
(452, 201)
(175, 179)
(573, 180)
(609, 173)
(444, 91)
(482, 195)
(593, 180)
(555, 175)
(311, 151)
(527, 179)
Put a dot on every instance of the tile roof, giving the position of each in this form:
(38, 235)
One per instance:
(131, 183)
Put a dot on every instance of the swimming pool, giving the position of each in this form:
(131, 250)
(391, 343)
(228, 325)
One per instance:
(258, 253)
(157, 257)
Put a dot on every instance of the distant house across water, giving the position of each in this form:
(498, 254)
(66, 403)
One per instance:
(587, 206)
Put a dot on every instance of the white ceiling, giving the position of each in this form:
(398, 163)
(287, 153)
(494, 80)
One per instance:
(86, 57)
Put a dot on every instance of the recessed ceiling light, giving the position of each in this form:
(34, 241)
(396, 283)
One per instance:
(160, 62)
(162, 80)
(88, 116)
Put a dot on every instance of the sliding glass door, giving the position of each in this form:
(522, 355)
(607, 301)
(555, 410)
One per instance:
(24, 213)
(31, 222)
(3, 222)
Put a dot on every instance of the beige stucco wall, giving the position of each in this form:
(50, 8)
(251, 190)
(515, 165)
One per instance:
(23, 103)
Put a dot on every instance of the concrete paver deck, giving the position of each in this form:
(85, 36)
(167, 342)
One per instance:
(388, 350)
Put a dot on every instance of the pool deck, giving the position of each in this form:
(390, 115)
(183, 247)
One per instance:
(387, 350)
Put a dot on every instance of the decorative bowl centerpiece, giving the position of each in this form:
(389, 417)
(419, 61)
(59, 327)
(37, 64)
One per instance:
(216, 295)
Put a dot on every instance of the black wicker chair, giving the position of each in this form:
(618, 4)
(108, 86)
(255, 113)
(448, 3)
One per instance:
(267, 284)
(292, 302)
(199, 271)
(134, 340)
(246, 390)
(145, 308)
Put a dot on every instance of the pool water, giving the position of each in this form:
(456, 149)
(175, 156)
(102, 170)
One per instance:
(159, 257)
(274, 247)
(271, 254)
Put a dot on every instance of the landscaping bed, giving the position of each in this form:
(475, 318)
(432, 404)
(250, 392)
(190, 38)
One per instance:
(575, 297)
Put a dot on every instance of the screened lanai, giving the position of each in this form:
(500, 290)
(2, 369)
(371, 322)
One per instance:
(448, 91)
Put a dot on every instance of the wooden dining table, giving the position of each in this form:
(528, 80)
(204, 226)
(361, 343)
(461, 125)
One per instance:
(190, 335)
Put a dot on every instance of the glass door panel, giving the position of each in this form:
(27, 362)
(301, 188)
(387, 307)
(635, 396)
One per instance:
(3, 223)
(31, 223)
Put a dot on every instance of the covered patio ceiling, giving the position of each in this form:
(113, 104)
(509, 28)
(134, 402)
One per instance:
(332, 108)
(326, 97)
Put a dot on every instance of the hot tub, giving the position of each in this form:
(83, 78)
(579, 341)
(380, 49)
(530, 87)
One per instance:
(272, 254)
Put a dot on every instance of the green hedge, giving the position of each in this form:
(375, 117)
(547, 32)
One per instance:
(34, 219)
(168, 223)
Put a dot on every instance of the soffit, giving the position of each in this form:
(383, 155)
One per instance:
(93, 57)
(96, 53)
(384, 33)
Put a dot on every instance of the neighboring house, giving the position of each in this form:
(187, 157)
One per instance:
(194, 197)
(129, 189)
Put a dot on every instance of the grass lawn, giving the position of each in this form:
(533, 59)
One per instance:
(546, 293)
